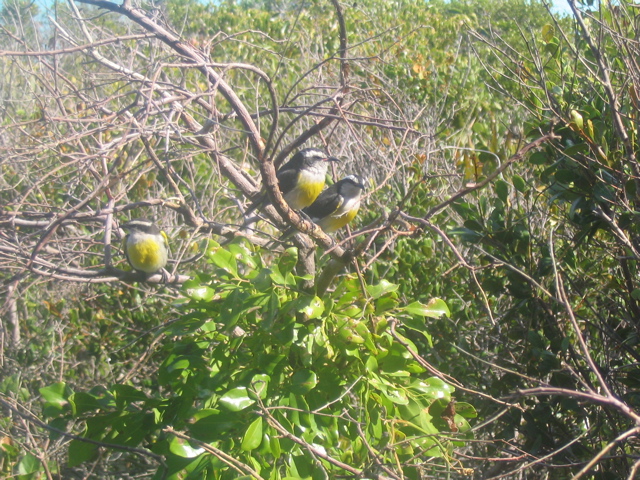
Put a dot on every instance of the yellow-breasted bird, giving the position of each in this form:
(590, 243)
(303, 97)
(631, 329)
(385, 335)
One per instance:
(145, 246)
(338, 204)
(301, 179)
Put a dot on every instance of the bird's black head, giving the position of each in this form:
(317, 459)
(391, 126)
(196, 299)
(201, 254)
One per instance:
(354, 180)
(309, 156)
(141, 225)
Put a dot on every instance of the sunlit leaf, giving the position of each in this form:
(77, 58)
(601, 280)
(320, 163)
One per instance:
(381, 289)
(434, 388)
(253, 436)
(576, 118)
(55, 397)
(236, 399)
(466, 410)
(200, 293)
(312, 307)
(223, 259)
(181, 447)
(434, 309)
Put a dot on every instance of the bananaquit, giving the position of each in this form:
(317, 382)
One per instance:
(145, 246)
(337, 205)
(301, 179)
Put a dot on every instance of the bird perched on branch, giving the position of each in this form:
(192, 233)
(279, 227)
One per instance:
(337, 205)
(301, 179)
(334, 207)
(145, 246)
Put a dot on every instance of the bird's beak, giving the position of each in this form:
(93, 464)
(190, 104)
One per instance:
(331, 159)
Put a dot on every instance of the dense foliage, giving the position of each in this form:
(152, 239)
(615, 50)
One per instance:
(482, 319)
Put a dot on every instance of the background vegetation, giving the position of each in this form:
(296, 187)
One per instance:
(479, 319)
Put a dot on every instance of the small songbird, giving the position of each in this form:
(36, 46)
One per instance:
(301, 179)
(338, 204)
(145, 246)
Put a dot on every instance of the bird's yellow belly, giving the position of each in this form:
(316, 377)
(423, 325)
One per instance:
(147, 255)
(335, 222)
(304, 194)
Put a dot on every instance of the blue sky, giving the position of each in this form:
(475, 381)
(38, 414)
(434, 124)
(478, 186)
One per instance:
(561, 6)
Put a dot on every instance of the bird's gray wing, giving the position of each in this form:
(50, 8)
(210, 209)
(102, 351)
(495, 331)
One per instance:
(327, 203)
(287, 179)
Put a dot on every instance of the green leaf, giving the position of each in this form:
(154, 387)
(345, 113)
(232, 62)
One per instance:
(474, 225)
(539, 158)
(55, 397)
(552, 47)
(276, 276)
(302, 467)
(548, 32)
(519, 184)
(372, 365)
(392, 393)
(312, 307)
(236, 399)
(83, 402)
(127, 394)
(274, 444)
(434, 309)
(576, 149)
(28, 465)
(385, 304)
(576, 118)
(502, 190)
(466, 410)
(418, 324)
(223, 259)
(418, 417)
(630, 188)
(434, 388)
(303, 381)
(384, 287)
(244, 254)
(591, 130)
(565, 175)
(260, 385)
(80, 452)
(181, 448)
(253, 436)
(8, 450)
(211, 424)
(201, 293)
(348, 335)
(396, 395)
(288, 261)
